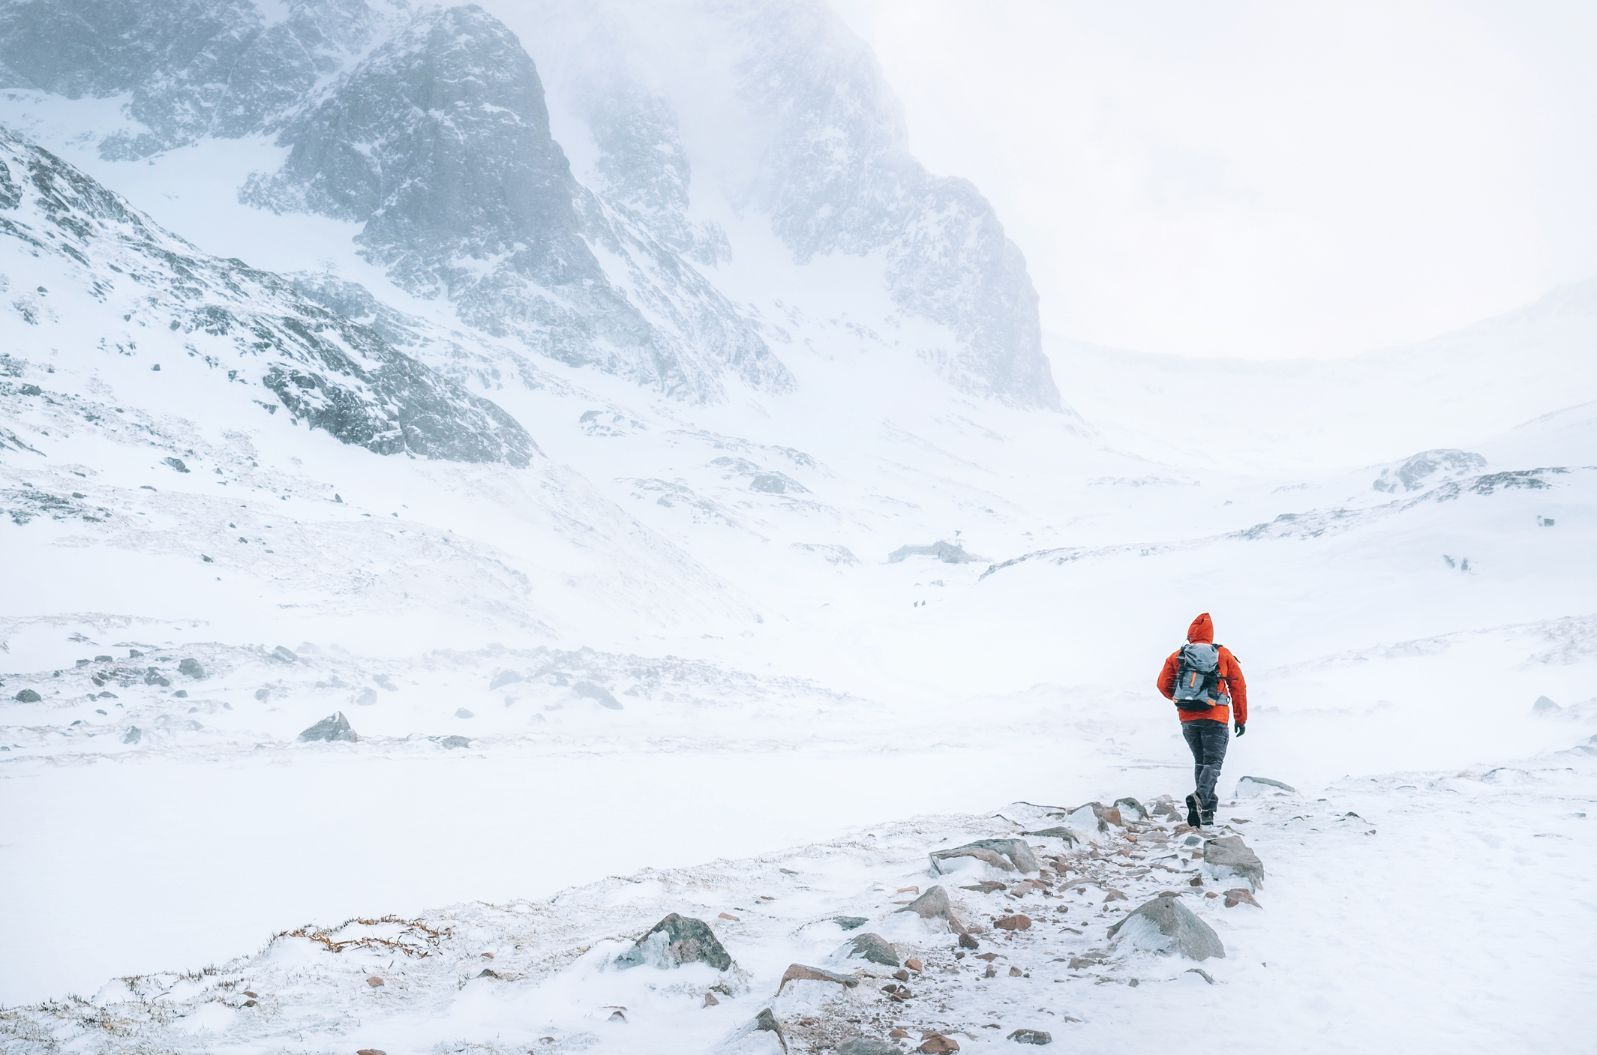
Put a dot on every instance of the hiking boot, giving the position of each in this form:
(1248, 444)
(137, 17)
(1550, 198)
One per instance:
(1192, 811)
(1208, 818)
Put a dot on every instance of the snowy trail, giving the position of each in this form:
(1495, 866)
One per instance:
(1377, 929)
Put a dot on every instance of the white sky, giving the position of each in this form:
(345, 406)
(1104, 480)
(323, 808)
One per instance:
(1264, 179)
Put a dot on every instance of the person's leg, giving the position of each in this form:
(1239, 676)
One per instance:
(1215, 738)
(1194, 738)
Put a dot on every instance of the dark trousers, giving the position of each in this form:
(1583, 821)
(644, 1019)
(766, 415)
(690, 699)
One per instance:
(1208, 740)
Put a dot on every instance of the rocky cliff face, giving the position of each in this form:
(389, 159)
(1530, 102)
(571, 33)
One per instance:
(104, 279)
(838, 177)
(190, 68)
(439, 144)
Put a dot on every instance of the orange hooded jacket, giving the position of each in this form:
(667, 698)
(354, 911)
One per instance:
(1231, 684)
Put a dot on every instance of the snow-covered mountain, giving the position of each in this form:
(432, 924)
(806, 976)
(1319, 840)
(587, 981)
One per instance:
(428, 129)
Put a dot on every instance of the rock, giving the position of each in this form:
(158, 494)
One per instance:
(503, 678)
(1010, 855)
(1131, 809)
(1019, 921)
(385, 682)
(461, 712)
(598, 693)
(375, 981)
(1238, 896)
(850, 922)
(674, 941)
(105, 659)
(914, 964)
(1249, 787)
(175, 463)
(1543, 705)
(934, 904)
(799, 972)
(1016, 972)
(181, 694)
(366, 697)
(1032, 1036)
(284, 655)
(764, 1022)
(1091, 816)
(618, 1014)
(986, 886)
(868, 1046)
(937, 1044)
(133, 735)
(967, 941)
(370, 1051)
(873, 948)
(710, 1000)
(191, 667)
(451, 743)
(1164, 925)
(1229, 855)
(1058, 832)
(155, 677)
(334, 727)
(28, 696)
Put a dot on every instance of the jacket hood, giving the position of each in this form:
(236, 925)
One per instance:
(1202, 629)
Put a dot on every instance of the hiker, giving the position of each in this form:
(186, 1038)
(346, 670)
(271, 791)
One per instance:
(1205, 682)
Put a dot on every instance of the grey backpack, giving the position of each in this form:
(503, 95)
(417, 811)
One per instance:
(1198, 676)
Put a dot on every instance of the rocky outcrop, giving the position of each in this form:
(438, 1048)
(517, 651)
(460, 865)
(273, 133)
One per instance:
(674, 941)
(1426, 469)
(1164, 925)
(335, 727)
(249, 330)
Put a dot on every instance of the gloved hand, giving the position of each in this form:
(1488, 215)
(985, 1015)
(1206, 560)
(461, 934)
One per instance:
(1241, 729)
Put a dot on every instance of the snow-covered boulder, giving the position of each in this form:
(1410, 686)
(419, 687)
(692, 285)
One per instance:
(674, 941)
(335, 727)
(1252, 787)
(1166, 926)
(1230, 856)
(1007, 855)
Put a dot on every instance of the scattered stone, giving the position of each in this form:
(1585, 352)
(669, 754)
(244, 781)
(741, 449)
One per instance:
(503, 678)
(370, 1051)
(191, 667)
(1016, 972)
(875, 949)
(991, 972)
(850, 922)
(967, 941)
(385, 682)
(799, 972)
(155, 677)
(1239, 896)
(710, 1000)
(1094, 816)
(28, 696)
(451, 743)
(375, 981)
(489, 972)
(175, 463)
(1019, 921)
(1201, 973)
(598, 693)
(133, 735)
(1009, 855)
(366, 697)
(937, 1044)
(914, 964)
(1164, 925)
(181, 694)
(1057, 832)
(1250, 786)
(674, 941)
(461, 712)
(986, 886)
(334, 727)
(934, 904)
(901, 975)
(1229, 855)
(728, 916)
(1032, 1036)
(764, 1022)
(284, 655)
(1543, 705)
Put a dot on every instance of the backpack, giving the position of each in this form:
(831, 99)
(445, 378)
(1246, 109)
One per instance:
(1198, 676)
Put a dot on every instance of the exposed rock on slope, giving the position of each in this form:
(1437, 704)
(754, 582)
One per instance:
(147, 292)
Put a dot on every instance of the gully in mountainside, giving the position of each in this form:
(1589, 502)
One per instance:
(1205, 682)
